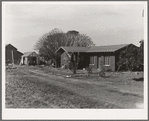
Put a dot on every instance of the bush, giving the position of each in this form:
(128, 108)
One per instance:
(89, 70)
(102, 73)
(42, 63)
(109, 70)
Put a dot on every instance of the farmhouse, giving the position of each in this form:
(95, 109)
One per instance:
(95, 56)
(12, 54)
(31, 58)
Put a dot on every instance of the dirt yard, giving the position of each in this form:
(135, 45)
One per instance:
(42, 87)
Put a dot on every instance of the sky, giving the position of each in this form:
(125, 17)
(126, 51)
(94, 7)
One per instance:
(106, 23)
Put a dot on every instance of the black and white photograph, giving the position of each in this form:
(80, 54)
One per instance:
(74, 60)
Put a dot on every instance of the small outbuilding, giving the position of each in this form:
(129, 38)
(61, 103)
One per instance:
(30, 58)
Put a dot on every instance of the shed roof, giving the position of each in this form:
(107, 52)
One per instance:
(20, 52)
(28, 54)
(10, 45)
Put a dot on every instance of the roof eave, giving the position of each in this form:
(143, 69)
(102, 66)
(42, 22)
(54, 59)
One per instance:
(11, 45)
(59, 49)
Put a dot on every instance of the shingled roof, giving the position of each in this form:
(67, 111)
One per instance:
(108, 48)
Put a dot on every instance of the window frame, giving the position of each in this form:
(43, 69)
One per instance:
(93, 60)
(106, 60)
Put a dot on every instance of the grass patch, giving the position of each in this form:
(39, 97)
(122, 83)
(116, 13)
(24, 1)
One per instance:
(31, 92)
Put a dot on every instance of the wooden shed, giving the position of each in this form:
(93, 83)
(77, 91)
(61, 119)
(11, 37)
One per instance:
(12, 55)
(31, 58)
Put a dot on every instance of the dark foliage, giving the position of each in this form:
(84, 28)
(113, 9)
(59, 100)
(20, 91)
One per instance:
(131, 58)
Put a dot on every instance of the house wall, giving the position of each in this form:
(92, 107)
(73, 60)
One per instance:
(19, 56)
(85, 60)
(114, 58)
(112, 63)
(64, 59)
(101, 56)
(94, 66)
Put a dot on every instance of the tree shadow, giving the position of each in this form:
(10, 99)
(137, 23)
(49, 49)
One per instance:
(138, 79)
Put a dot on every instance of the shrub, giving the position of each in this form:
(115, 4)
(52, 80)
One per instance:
(109, 70)
(89, 70)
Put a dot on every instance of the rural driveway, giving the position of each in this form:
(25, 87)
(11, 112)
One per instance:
(121, 96)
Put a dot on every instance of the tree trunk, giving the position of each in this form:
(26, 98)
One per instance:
(119, 67)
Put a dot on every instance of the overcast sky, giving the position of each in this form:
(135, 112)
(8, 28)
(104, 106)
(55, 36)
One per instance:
(106, 23)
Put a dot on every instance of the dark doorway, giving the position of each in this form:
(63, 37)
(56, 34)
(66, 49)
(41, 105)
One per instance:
(34, 60)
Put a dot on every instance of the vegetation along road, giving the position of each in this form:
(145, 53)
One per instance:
(41, 87)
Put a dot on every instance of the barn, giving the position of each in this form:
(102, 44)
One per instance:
(31, 58)
(12, 54)
(95, 56)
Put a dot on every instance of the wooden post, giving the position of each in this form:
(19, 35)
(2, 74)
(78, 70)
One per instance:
(78, 59)
(12, 58)
(74, 64)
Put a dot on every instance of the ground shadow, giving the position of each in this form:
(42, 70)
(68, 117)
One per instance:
(138, 79)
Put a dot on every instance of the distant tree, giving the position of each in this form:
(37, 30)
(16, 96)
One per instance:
(50, 42)
(73, 32)
(73, 38)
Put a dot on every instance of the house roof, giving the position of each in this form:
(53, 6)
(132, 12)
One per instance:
(74, 49)
(108, 48)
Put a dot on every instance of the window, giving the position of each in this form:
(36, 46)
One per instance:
(92, 60)
(107, 60)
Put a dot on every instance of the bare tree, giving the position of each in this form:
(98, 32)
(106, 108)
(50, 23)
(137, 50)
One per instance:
(50, 42)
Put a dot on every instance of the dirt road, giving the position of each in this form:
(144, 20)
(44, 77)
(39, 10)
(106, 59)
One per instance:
(57, 91)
